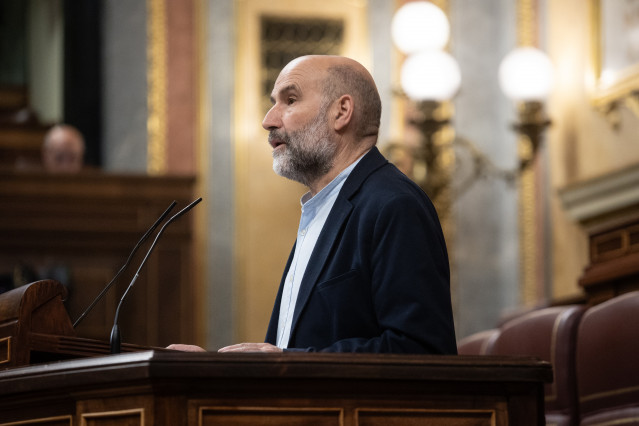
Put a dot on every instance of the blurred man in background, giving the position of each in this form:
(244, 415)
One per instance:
(63, 150)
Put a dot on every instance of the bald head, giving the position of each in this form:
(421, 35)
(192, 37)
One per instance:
(344, 76)
(63, 149)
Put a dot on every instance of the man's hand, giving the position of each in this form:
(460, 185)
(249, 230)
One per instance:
(251, 347)
(186, 348)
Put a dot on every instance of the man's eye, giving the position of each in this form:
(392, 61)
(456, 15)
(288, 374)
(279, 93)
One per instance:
(291, 100)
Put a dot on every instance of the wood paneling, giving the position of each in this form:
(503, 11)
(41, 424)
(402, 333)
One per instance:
(174, 388)
(118, 417)
(79, 229)
(410, 417)
(20, 146)
(614, 261)
(48, 421)
(249, 416)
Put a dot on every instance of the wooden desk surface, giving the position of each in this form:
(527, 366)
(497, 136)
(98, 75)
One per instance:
(295, 388)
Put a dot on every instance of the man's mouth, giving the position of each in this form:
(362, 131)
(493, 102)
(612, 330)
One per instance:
(275, 142)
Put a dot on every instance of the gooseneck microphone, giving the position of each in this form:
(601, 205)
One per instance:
(126, 264)
(115, 331)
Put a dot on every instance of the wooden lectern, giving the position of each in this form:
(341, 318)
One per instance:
(35, 327)
(175, 388)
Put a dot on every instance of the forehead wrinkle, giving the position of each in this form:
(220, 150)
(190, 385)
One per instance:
(287, 88)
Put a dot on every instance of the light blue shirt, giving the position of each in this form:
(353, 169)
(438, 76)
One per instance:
(315, 211)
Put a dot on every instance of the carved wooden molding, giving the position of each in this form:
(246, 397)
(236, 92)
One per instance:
(602, 196)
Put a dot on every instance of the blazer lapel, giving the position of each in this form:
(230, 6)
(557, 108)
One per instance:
(340, 211)
(338, 215)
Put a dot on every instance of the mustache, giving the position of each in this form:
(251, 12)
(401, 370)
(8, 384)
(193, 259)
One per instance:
(278, 135)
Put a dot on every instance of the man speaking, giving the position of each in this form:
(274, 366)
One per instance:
(369, 269)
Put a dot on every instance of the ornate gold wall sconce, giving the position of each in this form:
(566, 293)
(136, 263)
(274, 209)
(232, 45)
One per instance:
(526, 77)
(430, 77)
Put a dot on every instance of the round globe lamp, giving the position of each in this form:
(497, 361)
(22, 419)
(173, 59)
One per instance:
(432, 75)
(526, 74)
(418, 26)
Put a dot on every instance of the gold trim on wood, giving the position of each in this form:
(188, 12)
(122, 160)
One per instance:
(489, 415)
(45, 420)
(5, 350)
(112, 414)
(336, 412)
(156, 86)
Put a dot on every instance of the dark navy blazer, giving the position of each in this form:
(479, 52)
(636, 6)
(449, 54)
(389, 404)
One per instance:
(378, 279)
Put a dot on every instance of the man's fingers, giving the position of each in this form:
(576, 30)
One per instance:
(185, 348)
(251, 347)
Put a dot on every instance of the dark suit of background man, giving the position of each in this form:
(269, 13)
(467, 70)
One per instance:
(369, 270)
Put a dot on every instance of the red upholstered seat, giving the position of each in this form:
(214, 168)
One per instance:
(549, 334)
(479, 343)
(608, 362)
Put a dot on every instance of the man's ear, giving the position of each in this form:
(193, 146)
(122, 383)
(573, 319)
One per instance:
(344, 113)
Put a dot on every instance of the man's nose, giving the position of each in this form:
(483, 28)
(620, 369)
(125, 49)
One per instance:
(271, 119)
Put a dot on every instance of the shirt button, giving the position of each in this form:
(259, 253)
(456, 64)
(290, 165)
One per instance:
(303, 232)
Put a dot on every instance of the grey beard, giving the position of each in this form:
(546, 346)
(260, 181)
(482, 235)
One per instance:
(308, 155)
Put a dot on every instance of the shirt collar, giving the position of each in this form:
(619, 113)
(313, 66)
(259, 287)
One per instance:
(308, 200)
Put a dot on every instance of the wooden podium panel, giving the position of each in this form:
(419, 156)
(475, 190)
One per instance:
(80, 228)
(614, 261)
(174, 388)
(35, 328)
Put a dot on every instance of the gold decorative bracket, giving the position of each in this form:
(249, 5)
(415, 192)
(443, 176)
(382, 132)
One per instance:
(608, 97)
(156, 87)
(632, 102)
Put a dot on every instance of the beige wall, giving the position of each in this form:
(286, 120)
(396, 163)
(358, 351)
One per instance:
(582, 143)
